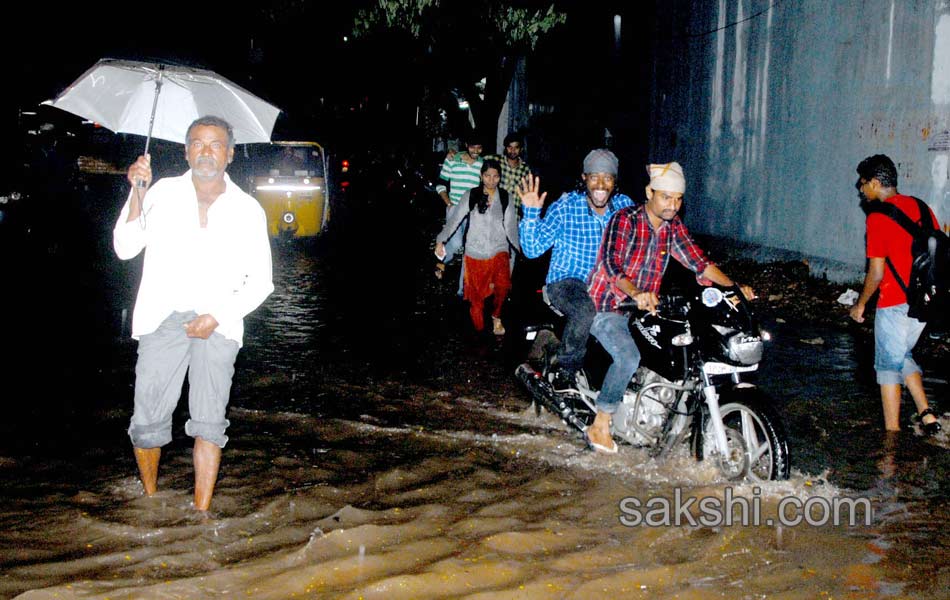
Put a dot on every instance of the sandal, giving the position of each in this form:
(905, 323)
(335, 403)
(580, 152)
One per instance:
(600, 448)
(497, 327)
(928, 428)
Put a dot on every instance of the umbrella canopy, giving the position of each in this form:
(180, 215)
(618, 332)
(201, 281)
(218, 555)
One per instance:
(160, 100)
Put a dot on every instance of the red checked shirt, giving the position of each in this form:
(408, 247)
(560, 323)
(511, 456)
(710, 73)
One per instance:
(631, 248)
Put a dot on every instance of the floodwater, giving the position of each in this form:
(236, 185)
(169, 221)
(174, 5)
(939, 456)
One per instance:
(377, 452)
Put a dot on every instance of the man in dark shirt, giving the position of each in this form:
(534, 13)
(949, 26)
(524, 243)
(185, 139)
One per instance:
(636, 248)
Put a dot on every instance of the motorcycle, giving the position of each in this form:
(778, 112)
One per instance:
(689, 387)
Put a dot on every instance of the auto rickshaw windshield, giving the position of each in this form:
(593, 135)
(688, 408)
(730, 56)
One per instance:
(285, 160)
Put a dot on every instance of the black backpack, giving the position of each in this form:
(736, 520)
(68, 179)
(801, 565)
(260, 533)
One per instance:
(928, 289)
(502, 197)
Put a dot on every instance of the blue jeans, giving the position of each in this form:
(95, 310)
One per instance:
(452, 246)
(613, 333)
(895, 335)
(571, 298)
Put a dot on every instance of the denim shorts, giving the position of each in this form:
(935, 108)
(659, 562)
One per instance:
(895, 335)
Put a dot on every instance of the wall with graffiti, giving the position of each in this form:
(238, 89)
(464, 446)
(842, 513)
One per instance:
(770, 105)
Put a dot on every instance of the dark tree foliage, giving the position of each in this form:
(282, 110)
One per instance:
(462, 43)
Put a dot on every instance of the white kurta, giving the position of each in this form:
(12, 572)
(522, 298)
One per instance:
(223, 269)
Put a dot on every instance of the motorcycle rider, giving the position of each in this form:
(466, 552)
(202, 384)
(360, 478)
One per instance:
(574, 225)
(636, 248)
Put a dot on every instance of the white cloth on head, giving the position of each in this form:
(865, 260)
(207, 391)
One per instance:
(667, 177)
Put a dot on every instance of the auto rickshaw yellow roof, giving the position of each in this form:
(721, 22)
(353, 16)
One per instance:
(289, 143)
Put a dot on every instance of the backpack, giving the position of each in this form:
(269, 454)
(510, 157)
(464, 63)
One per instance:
(928, 288)
(502, 197)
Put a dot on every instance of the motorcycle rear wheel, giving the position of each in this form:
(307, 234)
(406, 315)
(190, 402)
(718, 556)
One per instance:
(752, 424)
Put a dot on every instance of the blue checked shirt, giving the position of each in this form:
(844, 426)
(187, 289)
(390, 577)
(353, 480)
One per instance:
(572, 228)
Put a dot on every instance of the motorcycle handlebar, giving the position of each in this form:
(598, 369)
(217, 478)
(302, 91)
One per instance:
(665, 301)
(746, 304)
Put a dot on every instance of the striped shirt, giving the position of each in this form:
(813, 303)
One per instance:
(572, 228)
(632, 249)
(511, 176)
(461, 176)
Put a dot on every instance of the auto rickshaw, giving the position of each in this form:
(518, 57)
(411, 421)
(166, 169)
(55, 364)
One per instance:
(289, 180)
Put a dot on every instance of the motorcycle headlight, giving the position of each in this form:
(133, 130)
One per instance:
(744, 349)
(683, 339)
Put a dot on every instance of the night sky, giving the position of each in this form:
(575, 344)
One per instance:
(292, 53)
(256, 48)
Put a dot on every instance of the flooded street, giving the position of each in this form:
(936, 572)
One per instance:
(378, 452)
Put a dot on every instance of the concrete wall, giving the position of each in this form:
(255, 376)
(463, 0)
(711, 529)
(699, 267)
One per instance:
(770, 105)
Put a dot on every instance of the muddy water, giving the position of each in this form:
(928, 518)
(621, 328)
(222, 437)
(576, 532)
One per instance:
(384, 456)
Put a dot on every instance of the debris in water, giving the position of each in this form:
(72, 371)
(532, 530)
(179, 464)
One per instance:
(848, 298)
(314, 535)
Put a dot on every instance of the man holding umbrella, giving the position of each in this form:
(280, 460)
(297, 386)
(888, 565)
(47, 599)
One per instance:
(207, 265)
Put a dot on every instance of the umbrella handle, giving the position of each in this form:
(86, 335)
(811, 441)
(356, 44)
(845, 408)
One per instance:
(151, 120)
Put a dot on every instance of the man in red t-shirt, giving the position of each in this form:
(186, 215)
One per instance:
(895, 333)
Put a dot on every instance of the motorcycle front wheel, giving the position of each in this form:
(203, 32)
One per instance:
(757, 439)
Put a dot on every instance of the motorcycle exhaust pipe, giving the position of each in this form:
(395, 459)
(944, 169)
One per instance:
(543, 393)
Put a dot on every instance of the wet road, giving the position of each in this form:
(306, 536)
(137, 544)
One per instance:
(378, 452)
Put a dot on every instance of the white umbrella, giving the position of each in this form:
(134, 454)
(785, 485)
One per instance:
(160, 100)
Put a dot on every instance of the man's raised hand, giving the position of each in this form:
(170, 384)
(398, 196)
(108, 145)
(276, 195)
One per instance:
(528, 192)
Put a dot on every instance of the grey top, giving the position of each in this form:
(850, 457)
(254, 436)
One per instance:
(487, 235)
